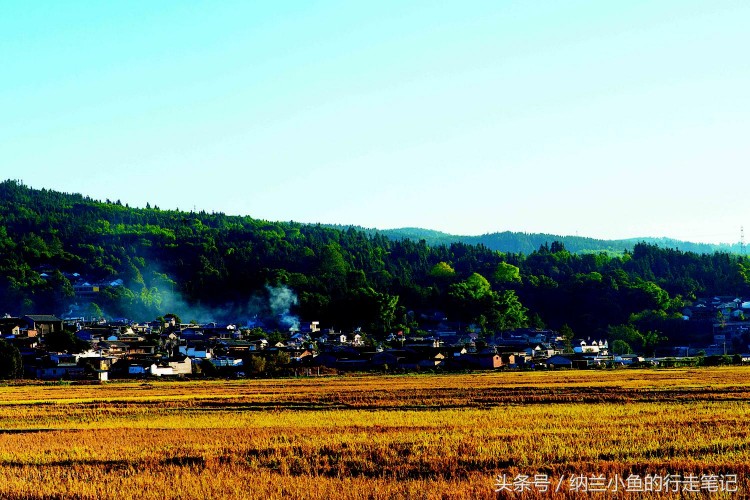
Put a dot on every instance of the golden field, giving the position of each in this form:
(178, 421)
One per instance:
(420, 436)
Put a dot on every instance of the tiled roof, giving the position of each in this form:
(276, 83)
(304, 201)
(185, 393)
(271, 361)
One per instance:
(42, 317)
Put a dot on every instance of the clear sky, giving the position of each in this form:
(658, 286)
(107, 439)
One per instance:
(607, 119)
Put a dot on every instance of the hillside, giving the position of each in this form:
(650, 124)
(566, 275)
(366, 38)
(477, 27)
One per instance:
(144, 262)
(515, 242)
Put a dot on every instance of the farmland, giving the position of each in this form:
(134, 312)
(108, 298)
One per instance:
(421, 436)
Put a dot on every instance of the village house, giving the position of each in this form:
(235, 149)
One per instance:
(113, 348)
(560, 361)
(334, 357)
(730, 330)
(23, 342)
(257, 344)
(581, 346)
(418, 361)
(541, 351)
(55, 367)
(86, 291)
(140, 349)
(514, 359)
(42, 324)
(160, 368)
(387, 359)
(700, 312)
(355, 339)
(95, 360)
(226, 362)
(627, 359)
(418, 342)
(223, 332)
(170, 321)
(197, 349)
(11, 326)
(144, 368)
(94, 334)
(181, 365)
(332, 337)
(353, 365)
(192, 333)
(140, 329)
(456, 351)
(235, 348)
(130, 338)
(311, 327)
(299, 355)
(486, 360)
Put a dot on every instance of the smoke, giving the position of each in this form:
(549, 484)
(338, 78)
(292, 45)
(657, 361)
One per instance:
(272, 305)
(280, 301)
(153, 293)
(174, 302)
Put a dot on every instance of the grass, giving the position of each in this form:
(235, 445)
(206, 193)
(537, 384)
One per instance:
(427, 436)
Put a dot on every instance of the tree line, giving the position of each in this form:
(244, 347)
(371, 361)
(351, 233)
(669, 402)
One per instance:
(344, 278)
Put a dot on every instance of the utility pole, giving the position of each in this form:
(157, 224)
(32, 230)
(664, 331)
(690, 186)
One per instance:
(742, 240)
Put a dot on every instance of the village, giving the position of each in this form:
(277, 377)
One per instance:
(52, 348)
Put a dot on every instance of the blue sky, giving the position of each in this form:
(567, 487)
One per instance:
(603, 119)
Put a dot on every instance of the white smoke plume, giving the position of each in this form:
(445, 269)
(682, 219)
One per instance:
(280, 301)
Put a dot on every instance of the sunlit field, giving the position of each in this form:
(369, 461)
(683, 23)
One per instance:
(530, 435)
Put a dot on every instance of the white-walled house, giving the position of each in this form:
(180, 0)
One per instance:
(581, 346)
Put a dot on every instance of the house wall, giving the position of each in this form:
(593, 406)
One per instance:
(182, 367)
(161, 370)
(59, 372)
(491, 362)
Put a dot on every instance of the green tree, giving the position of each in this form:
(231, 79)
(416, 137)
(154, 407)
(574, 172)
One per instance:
(721, 319)
(333, 267)
(65, 341)
(626, 333)
(11, 364)
(475, 300)
(472, 289)
(536, 321)
(652, 340)
(208, 369)
(276, 362)
(507, 273)
(507, 312)
(644, 342)
(566, 332)
(94, 311)
(442, 270)
(621, 347)
(470, 298)
(257, 365)
(177, 319)
(385, 309)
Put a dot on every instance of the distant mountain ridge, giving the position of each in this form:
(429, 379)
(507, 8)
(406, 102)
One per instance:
(525, 243)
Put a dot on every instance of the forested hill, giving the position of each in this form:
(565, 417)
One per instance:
(213, 266)
(515, 242)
